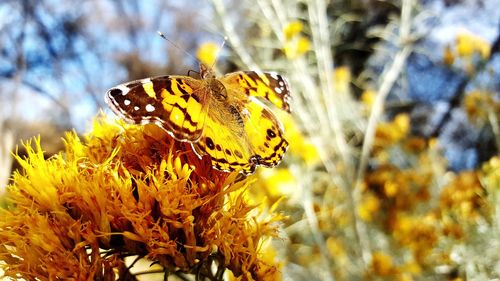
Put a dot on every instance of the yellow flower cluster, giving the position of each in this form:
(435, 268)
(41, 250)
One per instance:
(400, 190)
(468, 44)
(296, 45)
(392, 133)
(491, 171)
(419, 233)
(405, 204)
(129, 190)
(479, 105)
(389, 133)
(468, 50)
(383, 265)
(464, 197)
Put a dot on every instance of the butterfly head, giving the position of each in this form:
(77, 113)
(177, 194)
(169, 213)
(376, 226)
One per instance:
(206, 72)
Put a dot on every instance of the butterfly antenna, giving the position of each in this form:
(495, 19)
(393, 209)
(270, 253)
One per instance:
(218, 52)
(177, 46)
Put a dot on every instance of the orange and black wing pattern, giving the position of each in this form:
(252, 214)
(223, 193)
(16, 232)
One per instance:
(175, 103)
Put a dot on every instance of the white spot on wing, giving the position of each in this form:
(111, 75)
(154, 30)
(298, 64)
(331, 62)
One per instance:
(150, 108)
(136, 108)
(278, 90)
(126, 102)
(274, 75)
(146, 80)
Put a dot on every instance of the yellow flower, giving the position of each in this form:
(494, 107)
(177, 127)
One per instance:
(467, 44)
(415, 144)
(382, 264)
(464, 45)
(399, 190)
(402, 122)
(207, 53)
(336, 248)
(389, 133)
(342, 78)
(448, 57)
(403, 277)
(390, 189)
(412, 268)
(491, 171)
(368, 97)
(129, 190)
(464, 196)
(295, 45)
(451, 228)
(419, 234)
(434, 144)
(477, 103)
(368, 207)
(292, 29)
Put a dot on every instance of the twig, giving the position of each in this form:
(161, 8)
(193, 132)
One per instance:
(233, 38)
(312, 221)
(322, 45)
(388, 79)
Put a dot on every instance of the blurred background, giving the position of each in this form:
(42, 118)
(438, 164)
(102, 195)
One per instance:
(393, 168)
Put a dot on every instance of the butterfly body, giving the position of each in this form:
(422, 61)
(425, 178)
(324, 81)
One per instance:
(220, 117)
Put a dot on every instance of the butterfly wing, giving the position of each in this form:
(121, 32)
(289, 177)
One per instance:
(241, 134)
(265, 133)
(175, 103)
(225, 142)
(268, 85)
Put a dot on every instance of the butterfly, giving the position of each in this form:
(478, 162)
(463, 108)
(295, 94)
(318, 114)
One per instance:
(223, 117)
